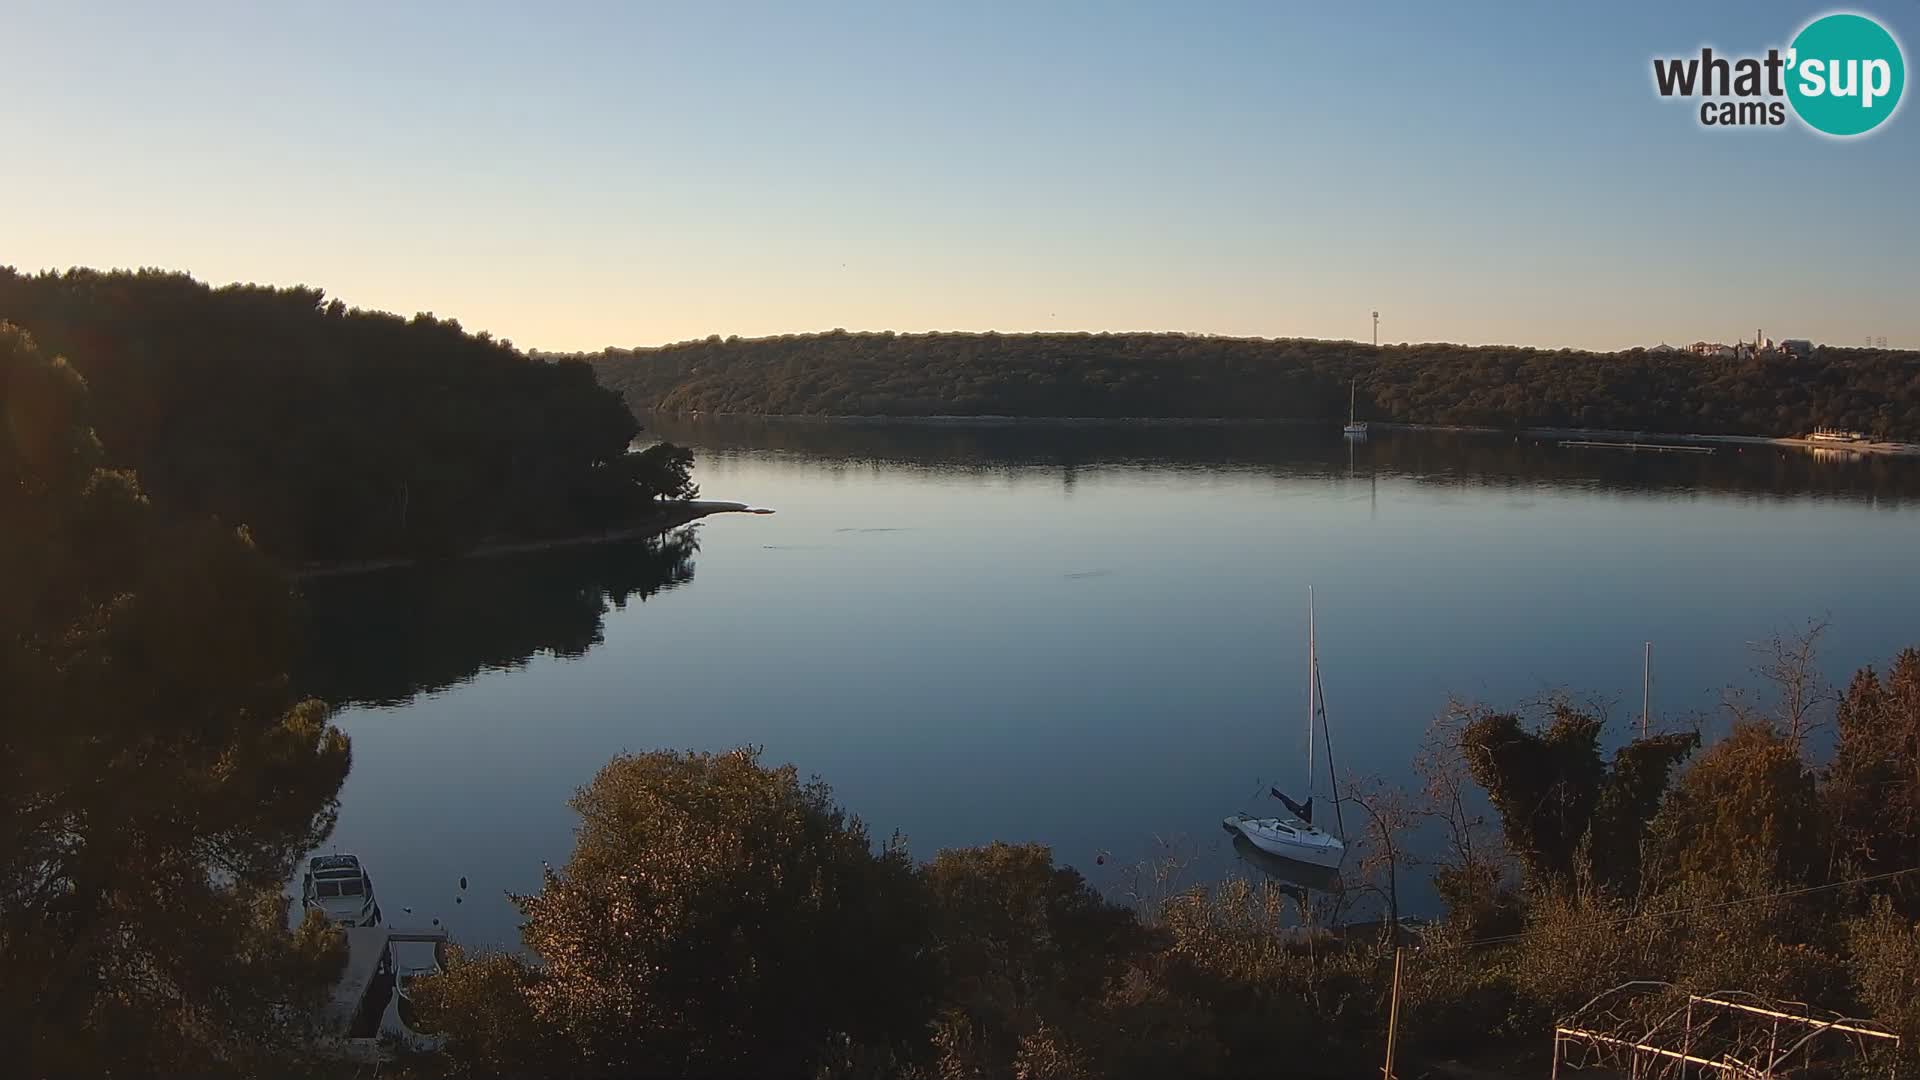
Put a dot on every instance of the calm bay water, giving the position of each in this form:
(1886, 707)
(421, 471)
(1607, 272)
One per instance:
(1090, 636)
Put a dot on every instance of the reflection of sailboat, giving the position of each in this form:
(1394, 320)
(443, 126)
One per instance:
(1355, 428)
(1296, 837)
(1295, 877)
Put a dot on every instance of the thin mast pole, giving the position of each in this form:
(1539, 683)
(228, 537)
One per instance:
(1646, 687)
(1313, 667)
(1393, 1012)
(1326, 734)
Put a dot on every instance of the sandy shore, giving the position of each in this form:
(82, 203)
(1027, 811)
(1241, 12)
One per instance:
(671, 516)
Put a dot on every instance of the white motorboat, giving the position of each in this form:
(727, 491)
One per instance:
(340, 888)
(1295, 836)
(412, 962)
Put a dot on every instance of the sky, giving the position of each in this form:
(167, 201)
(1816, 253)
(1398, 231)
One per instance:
(574, 176)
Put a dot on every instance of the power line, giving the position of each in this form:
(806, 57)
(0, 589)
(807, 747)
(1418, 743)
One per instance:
(1781, 895)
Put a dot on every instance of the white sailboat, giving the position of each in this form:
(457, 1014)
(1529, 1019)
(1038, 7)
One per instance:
(1355, 427)
(1295, 836)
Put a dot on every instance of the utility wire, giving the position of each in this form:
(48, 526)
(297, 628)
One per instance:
(1781, 895)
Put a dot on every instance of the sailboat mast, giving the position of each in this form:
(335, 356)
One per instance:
(1353, 390)
(1646, 687)
(1313, 667)
(1326, 735)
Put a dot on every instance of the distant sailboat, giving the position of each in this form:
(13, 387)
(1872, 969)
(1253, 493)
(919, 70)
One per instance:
(1296, 837)
(1355, 427)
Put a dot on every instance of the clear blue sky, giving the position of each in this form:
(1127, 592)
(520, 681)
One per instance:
(574, 176)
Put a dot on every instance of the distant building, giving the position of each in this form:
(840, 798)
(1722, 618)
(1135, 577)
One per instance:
(1710, 348)
(1663, 347)
(1797, 347)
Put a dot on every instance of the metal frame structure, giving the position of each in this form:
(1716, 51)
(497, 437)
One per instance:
(1649, 1029)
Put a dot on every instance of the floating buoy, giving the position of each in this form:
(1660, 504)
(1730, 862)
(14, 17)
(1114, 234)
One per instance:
(463, 881)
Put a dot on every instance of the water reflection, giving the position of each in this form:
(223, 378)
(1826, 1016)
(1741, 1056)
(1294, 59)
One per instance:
(1466, 459)
(1101, 622)
(382, 638)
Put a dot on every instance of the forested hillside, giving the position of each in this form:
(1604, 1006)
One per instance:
(1177, 375)
(331, 433)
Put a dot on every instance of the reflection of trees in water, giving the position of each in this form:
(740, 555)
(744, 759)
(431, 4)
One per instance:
(1464, 459)
(381, 638)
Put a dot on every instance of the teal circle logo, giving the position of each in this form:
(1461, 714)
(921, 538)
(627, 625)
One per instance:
(1845, 74)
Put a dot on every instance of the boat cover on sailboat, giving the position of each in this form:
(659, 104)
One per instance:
(1303, 811)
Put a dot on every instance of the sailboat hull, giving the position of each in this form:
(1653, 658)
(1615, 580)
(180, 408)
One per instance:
(1289, 839)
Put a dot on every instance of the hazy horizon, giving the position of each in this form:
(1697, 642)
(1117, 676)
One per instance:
(587, 177)
(471, 326)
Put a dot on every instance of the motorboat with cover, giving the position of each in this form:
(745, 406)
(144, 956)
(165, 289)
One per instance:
(340, 888)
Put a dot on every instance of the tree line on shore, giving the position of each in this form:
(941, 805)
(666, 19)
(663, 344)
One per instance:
(336, 434)
(1876, 391)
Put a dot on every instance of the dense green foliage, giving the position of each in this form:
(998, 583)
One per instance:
(1751, 858)
(157, 781)
(1023, 946)
(1179, 375)
(1873, 785)
(334, 434)
(717, 918)
(1885, 953)
(1570, 817)
(661, 471)
(1748, 800)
